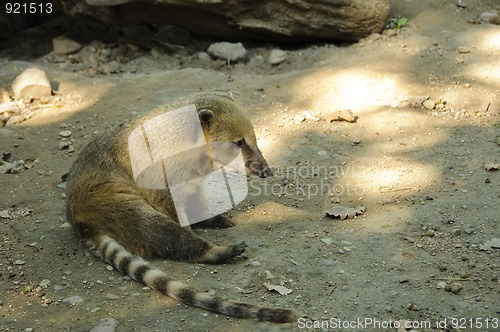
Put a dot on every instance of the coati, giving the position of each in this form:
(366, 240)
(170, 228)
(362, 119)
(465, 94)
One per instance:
(125, 224)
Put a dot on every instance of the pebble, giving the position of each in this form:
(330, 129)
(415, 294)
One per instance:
(490, 17)
(329, 262)
(255, 263)
(230, 52)
(65, 133)
(31, 83)
(429, 104)
(463, 49)
(64, 145)
(112, 297)
(65, 46)
(58, 288)
(327, 240)
(454, 287)
(277, 56)
(19, 262)
(269, 275)
(44, 283)
(72, 300)
(106, 325)
(4, 214)
(441, 285)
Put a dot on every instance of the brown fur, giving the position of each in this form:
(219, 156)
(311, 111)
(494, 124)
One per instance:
(125, 224)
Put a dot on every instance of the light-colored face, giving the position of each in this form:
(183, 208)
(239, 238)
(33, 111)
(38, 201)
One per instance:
(225, 122)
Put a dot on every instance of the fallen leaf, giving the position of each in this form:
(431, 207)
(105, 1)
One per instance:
(491, 166)
(343, 212)
(342, 115)
(491, 244)
(280, 289)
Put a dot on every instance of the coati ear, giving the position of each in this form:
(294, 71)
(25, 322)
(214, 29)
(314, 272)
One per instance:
(206, 116)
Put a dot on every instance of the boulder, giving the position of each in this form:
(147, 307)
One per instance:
(31, 84)
(235, 20)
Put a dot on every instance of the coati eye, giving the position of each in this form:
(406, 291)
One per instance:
(240, 142)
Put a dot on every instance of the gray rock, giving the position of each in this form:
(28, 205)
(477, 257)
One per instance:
(346, 20)
(490, 17)
(6, 168)
(65, 133)
(64, 46)
(277, 56)
(64, 145)
(106, 325)
(4, 214)
(72, 300)
(112, 297)
(31, 83)
(230, 52)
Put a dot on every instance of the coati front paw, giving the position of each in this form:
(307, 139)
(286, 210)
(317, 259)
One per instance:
(220, 254)
(219, 221)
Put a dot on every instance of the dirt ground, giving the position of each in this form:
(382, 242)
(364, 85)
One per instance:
(418, 253)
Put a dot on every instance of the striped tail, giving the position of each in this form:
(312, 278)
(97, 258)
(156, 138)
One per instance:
(135, 266)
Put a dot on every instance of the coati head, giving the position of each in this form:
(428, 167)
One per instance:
(223, 121)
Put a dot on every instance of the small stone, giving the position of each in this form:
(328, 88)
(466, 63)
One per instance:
(430, 233)
(329, 262)
(456, 287)
(44, 283)
(58, 288)
(112, 297)
(19, 262)
(463, 49)
(269, 275)
(441, 285)
(64, 46)
(255, 263)
(490, 17)
(230, 52)
(322, 153)
(63, 145)
(31, 84)
(65, 133)
(106, 325)
(327, 240)
(73, 300)
(4, 214)
(429, 104)
(277, 56)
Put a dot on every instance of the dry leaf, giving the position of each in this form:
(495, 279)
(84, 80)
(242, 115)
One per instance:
(343, 212)
(280, 289)
(342, 115)
(491, 244)
(491, 166)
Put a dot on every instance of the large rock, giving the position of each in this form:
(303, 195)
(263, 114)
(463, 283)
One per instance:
(269, 20)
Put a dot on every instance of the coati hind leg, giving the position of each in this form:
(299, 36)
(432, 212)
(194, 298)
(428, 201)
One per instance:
(144, 231)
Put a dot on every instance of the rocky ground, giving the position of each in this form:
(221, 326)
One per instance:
(421, 156)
